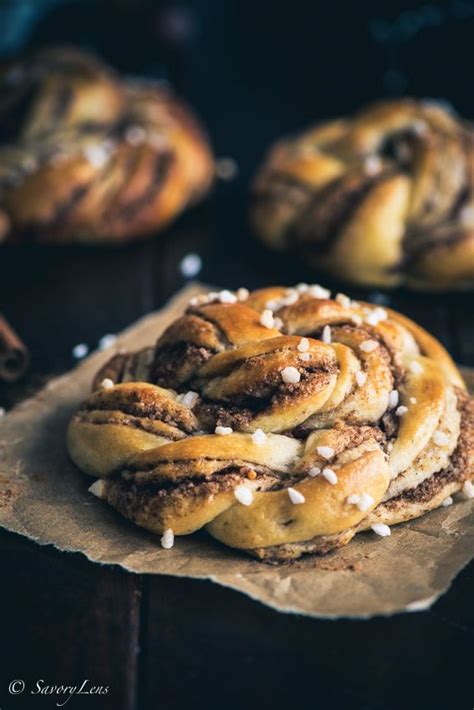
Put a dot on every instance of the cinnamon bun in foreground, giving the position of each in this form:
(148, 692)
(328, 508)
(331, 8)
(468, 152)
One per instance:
(282, 421)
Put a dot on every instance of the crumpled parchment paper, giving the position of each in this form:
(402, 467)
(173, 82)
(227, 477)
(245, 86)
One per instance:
(45, 498)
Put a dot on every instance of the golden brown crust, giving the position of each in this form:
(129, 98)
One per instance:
(87, 156)
(278, 443)
(382, 199)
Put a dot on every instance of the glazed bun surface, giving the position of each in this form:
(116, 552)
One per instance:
(282, 421)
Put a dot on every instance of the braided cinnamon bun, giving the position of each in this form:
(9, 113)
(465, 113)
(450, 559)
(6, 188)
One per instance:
(282, 421)
(384, 198)
(88, 156)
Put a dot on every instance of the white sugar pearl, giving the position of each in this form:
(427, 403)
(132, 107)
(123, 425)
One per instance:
(167, 539)
(361, 378)
(96, 155)
(223, 430)
(290, 375)
(97, 488)
(106, 383)
(135, 135)
(295, 496)
(447, 501)
(381, 529)
(466, 216)
(106, 341)
(365, 502)
(468, 489)
(243, 294)
(353, 499)
(317, 291)
(188, 400)
(79, 351)
(244, 495)
(227, 296)
(305, 357)
(326, 336)
(267, 319)
(413, 400)
(440, 438)
(356, 319)
(343, 300)
(303, 345)
(314, 471)
(375, 316)
(259, 437)
(372, 165)
(368, 346)
(330, 476)
(393, 399)
(416, 367)
(401, 410)
(327, 452)
(278, 323)
(190, 265)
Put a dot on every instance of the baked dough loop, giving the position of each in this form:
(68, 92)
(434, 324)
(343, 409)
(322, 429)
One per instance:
(88, 156)
(384, 198)
(283, 423)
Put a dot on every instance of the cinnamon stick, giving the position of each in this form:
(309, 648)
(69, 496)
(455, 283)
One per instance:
(14, 357)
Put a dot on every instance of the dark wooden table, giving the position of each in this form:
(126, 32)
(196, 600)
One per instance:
(160, 642)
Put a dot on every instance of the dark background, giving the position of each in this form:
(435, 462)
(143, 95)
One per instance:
(253, 70)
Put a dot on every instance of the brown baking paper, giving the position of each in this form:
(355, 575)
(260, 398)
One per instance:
(45, 498)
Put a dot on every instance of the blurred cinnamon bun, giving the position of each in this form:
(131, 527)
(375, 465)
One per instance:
(87, 156)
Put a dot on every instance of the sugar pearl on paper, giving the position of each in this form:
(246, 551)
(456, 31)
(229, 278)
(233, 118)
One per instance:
(295, 496)
(190, 265)
(107, 340)
(381, 529)
(290, 375)
(259, 437)
(79, 351)
(244, 495)
(167, 539)
(330, 476)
